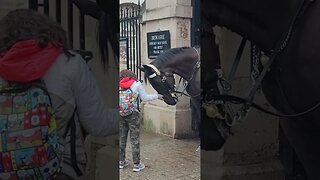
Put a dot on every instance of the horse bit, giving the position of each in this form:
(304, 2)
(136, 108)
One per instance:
(163, 76)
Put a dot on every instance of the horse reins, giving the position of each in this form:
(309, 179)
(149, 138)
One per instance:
(196, 67)
(248, 101)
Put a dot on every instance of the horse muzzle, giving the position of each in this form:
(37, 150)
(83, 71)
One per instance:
(170, 98)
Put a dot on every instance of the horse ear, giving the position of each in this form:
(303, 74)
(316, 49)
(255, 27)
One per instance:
(141, 68)
(146, 70)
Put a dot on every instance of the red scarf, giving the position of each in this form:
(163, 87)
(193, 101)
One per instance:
(126, 82)
(26, 61)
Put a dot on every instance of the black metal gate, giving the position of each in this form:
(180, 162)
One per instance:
(195, 23)
(54, 8)
(195, 41)
(130, 17)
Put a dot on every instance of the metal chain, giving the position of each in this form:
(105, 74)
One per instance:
(225, 86)
(285, 42)
(242, 113)
(255, 72)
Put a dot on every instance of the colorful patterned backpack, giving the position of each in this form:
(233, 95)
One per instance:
(29, 147)
(128, 101)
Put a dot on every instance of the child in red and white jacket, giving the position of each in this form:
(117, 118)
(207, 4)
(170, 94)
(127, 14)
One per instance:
(132, 121)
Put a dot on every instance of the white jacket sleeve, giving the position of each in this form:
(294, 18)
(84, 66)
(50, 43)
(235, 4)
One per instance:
(144, 96)
(93, 114)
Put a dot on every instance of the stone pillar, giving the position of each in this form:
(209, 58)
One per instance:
(175, 16)
(252, 153)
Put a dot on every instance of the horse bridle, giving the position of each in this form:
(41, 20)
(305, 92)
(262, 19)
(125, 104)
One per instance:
(248, 101)
(196, 67)
(163, 76)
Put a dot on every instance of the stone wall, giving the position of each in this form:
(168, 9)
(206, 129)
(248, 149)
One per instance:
(175, 16)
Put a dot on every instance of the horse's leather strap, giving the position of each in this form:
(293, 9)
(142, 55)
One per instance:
(155, 69)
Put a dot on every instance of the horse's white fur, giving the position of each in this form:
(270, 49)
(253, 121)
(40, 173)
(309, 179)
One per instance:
(152, 75)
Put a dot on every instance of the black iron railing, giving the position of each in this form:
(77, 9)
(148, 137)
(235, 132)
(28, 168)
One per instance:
(44, 6)
(195, 23)
(130, 17)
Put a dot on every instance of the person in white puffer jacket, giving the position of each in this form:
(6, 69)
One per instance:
(32, 47)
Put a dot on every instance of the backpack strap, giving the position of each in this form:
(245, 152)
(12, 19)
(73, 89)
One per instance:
(17, 87)
(124, 89)
(73, 148)
(72, 126)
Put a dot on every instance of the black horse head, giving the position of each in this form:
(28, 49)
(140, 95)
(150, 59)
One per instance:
(163, 83)
(183, 61)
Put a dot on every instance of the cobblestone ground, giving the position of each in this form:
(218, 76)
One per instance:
(165, 159)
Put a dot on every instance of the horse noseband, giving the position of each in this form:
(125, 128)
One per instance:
(163, 79)
(166, 85)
